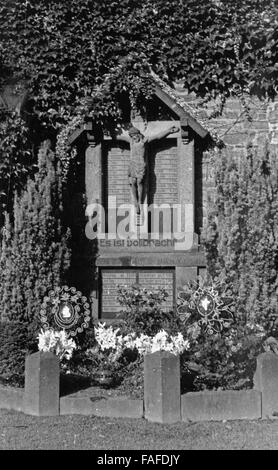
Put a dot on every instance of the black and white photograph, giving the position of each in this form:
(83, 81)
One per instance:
(139, 228)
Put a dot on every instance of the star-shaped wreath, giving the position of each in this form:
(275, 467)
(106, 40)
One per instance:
(208, 303)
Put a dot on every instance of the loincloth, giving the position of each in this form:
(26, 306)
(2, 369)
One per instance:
(137, 170)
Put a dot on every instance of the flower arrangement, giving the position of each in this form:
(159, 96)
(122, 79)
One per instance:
(162, 341)
(111, 341)
(109, 338)
(110, 346)
(56, 342)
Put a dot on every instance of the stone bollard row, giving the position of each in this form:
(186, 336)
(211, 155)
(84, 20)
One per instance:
(162, 397)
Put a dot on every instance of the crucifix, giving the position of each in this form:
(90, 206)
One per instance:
(137, 164)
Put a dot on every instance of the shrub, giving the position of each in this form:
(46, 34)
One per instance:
(143, 311)
(33, 259)
(223, 345)
(34, 254)
(241, 244)
(131, 377)
(17, 339)
(241, 239)
(227, 360)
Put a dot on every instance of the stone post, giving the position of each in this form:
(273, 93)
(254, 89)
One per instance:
(93, 171)
(93, 188)
(266, 381)
(162, 399)
(42, 384)
(186, 189)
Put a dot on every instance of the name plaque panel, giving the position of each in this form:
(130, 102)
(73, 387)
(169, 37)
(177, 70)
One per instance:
(151, 279)
(163, 173)
(116, 173)
(111, 279)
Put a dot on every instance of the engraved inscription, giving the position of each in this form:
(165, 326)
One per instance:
(117, 171)
(163, 175)
(110, 282)
(157, 280)
(150, 279)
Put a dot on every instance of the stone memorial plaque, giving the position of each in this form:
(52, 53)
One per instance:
(157, 280)
(147, 278)
(111, 279)
(163, 173)
(116, 168)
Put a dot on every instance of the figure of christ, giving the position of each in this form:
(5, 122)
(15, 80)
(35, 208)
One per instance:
(137, 165)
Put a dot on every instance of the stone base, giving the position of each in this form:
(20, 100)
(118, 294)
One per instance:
(222, 405)
(112, 407)
(12, 398)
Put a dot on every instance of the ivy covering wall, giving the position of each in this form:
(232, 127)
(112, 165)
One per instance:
(85, 57)
(66, 49)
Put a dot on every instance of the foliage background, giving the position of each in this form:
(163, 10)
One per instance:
(66, 49)
(86, 57)
(241, 240)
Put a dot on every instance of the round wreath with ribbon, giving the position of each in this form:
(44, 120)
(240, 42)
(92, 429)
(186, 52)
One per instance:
(66, 308)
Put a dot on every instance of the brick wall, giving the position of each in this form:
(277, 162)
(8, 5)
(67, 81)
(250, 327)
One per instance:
(232, 126)
(237, 130)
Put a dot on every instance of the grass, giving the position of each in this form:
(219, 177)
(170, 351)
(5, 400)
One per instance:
(22, 432)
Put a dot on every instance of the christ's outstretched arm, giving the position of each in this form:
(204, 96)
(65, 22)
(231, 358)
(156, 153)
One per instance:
(122, 137)
(162, 134)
